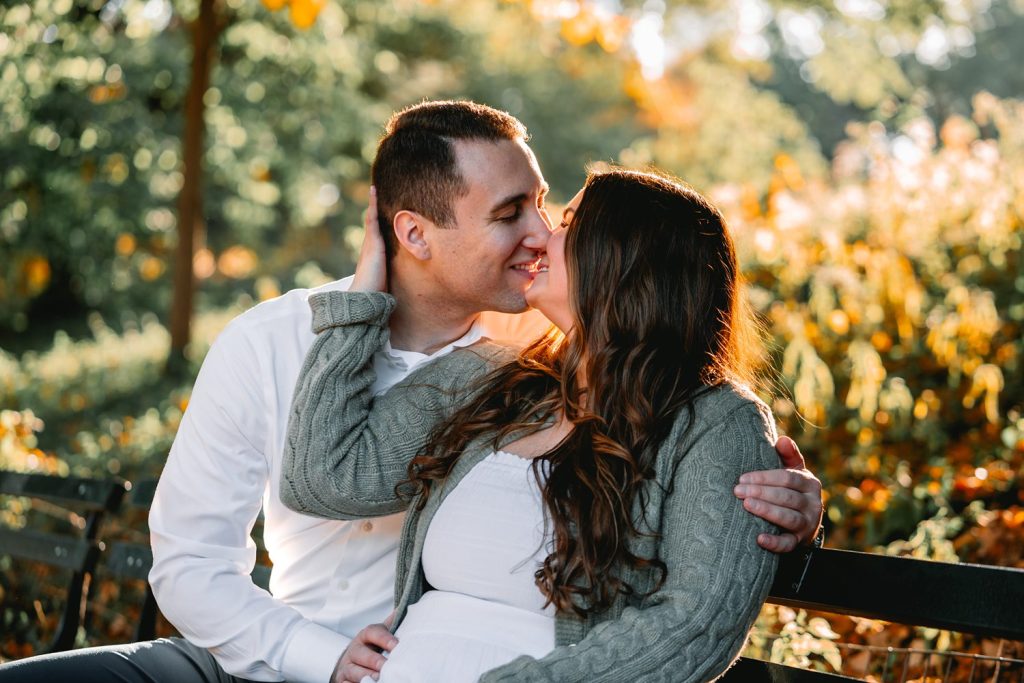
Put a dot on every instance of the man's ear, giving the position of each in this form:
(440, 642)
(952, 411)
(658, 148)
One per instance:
(410, 230)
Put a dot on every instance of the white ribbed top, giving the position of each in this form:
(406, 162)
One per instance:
(480, 553)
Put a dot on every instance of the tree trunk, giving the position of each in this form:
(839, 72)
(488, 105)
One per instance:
(205, 30)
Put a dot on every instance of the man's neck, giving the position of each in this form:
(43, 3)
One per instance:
(420, 324)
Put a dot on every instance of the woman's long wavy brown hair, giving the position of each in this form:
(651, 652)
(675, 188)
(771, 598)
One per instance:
(658, 318)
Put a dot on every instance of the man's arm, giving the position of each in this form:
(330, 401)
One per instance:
(206, 502)
(789, 498)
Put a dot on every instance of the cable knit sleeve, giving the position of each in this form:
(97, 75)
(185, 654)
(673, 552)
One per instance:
(718, 578)
(345, 451)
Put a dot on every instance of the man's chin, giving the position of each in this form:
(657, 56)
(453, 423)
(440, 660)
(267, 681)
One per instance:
(509, 302)
(511, 308)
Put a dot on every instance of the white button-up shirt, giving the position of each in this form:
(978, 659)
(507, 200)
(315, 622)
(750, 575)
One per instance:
(330, 578)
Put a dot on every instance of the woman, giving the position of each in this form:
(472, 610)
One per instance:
(571, 510)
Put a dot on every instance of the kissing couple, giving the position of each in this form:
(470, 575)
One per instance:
(605, 504)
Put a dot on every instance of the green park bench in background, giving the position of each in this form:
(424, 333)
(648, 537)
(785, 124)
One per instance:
(980, 600)
(61, 537)
(128, 560)
(975, 599)
(67, 543)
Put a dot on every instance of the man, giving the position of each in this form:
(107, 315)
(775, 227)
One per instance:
(463, 222)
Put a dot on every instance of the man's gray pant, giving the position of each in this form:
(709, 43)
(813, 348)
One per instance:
(168, 660)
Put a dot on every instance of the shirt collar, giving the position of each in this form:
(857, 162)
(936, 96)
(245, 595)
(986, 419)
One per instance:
(412, 359)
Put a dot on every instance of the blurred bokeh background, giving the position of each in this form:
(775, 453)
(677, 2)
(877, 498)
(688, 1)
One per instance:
(869, 155)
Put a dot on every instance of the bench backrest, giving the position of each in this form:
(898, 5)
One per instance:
(75, 552)
(986, 601)
(134, 560)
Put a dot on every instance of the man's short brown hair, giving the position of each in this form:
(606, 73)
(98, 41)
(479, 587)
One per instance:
(416, 168)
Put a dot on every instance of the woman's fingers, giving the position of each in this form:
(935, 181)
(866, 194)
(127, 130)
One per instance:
(372, 267)
(355, 674)
(372, 238)
(363, 656)
(378, 635)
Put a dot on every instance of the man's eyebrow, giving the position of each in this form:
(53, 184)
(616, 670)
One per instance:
(517, 198)
(508, 201)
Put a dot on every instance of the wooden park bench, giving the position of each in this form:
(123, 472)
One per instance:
(134, 560)
(78, 509)
(976, 599)
(62, 533)
(986, 601)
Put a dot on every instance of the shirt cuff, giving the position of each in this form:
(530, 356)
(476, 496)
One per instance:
(312, 653)
(335, 308)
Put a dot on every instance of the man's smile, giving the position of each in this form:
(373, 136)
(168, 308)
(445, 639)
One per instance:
(532, 267)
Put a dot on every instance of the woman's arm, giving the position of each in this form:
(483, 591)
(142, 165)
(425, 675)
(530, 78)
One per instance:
(345, 451)
(718, 578)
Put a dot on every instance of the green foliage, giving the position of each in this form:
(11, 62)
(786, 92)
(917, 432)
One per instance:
(110, 409)
(893, 300)
(694, 117)
(84, 161)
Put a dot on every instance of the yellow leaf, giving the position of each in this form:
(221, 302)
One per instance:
(274, 5)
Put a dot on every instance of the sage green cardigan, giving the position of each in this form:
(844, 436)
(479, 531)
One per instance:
(346, 451)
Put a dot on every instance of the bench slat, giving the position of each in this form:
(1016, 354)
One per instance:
(72, 492)
(959, 597)
(65, 552)
(129, 560)
(142, 493)
(134, 560)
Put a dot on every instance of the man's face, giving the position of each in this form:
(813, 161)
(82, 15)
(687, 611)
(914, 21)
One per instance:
(487, 261)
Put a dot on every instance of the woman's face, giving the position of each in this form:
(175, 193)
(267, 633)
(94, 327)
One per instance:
(549, 292)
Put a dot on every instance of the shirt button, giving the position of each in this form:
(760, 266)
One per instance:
(342, 584)
(367, 527)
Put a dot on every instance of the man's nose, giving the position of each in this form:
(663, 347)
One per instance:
(538, 231)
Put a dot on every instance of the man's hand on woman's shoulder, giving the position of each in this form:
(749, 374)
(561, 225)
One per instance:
(790, 498)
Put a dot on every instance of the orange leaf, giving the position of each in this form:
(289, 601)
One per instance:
(303, 13)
